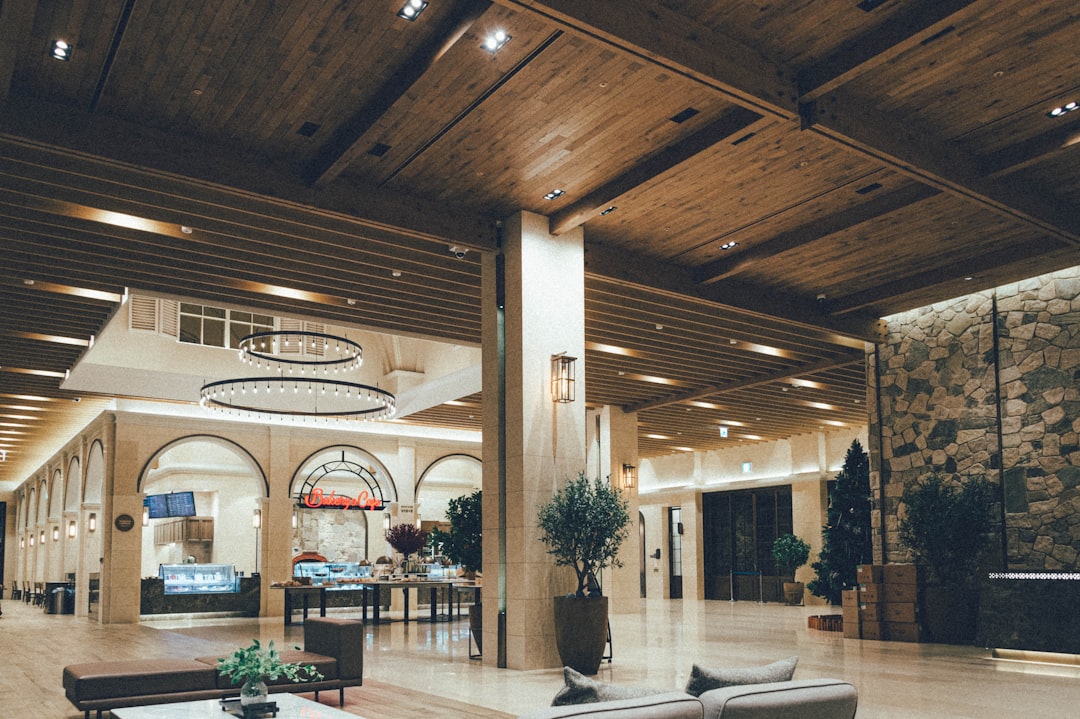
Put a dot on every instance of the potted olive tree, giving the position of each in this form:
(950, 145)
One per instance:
(946, 523)
(583, 524)
(790, 553)
(462, 545)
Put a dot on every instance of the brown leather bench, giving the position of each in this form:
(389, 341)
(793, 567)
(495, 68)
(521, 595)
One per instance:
(334, 646)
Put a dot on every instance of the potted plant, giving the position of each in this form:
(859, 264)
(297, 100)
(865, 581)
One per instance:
(462, 546)
(946, 524)
(406, 539)
(583, 524)
(790, 553)
(255, 665)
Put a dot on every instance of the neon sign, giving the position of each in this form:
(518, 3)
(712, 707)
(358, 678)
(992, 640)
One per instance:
(317, 499)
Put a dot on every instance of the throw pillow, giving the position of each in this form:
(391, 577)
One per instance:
(702, 680)
(580, 689)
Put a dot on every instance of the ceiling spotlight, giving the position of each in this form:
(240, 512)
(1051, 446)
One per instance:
(729, 245)
(1064, 109)
(495, 41)
(608, 211)
(61, 50)
(554, 193)
(411, 10)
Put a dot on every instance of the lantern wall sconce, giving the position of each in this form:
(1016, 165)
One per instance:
(146, 516)
(256, 518)
(91, 522)
(42, 539)
(31, 540)
(295, 518)
(56, 534)
(629, 476)
(72, 529)
(562, 377)
(386, 521)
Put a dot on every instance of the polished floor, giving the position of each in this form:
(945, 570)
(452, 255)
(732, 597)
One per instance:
(654, 647)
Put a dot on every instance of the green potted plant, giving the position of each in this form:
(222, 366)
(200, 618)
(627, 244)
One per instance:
(255, 665)
(946, 523)
(462, 545)
(790, 553)
(583, 524)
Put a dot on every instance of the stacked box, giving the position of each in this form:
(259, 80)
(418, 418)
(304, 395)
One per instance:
(852, 628)
(871, 596)
(900, 591)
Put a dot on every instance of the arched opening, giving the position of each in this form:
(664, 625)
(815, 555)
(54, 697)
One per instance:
(447, 478)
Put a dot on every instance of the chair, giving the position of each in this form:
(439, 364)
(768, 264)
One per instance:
(39, 594)
(16, 593)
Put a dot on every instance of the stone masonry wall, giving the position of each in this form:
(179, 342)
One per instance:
(986, 384)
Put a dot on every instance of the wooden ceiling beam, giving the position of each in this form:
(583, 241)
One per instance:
(677, 43)
(788, 373)
(631, 269)
(913, 24)
(820, 227)
(16, 20)
(731, 122)
(1036, 149)
(345, 146)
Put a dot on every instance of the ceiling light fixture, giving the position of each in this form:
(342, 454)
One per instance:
(411, 10)
(553, 194)
(61, 50)
(608, 210)
(495, 41)
(729, 245)
(295, 387)
(1064, 109)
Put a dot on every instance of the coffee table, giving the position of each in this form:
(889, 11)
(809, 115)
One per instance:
(290, 706)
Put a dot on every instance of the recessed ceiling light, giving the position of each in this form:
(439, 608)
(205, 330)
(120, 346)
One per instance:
(411, 10)
(1064, 109)
(495, 41)
(608, 210)
(729, 245)
(396, 273)
(554, 193)
(61, 50)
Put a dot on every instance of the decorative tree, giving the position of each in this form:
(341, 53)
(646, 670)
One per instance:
(461, 544)
(846, 538)
(406, 538)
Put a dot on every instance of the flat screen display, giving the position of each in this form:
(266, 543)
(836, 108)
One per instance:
(156, 505)
(174, 504)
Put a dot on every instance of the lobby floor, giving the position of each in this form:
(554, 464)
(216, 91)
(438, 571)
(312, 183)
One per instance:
(654, 647)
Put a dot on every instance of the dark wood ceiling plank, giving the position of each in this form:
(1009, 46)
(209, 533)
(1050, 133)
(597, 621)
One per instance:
(904, 30)
(16, 18)
(336, 155)
(650, 31)
(731, 122)
(821, 226)
(1021, 155)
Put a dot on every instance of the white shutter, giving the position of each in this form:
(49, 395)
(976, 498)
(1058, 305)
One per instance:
(142, 314)
(169, 318)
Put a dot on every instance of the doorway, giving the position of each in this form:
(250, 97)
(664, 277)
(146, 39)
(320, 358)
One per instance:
(675, 552)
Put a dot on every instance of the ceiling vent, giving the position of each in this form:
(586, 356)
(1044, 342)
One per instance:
(684, 115)
(308, 129)
(378, 149)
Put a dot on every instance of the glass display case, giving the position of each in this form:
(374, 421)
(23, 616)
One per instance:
(199, 578)
(332, 574)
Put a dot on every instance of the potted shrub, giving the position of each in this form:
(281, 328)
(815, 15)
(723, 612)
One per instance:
(790, 553)
(255, 665)
(583, 524)
(462, 545)
(946, 524)
(406, 539)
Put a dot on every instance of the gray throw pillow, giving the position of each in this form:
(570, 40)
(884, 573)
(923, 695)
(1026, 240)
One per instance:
(702, 680)
(580, 689)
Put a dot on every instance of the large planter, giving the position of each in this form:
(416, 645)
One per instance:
(950, 614)
(793, 592)
(581, 632)
(476, 625)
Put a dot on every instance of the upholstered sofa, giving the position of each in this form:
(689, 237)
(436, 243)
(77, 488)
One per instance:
(798, 699)
(335, 647)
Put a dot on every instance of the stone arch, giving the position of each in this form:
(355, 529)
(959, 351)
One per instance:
(448, 477)
(73, 485)
(236, 449)
(94, 485)
(56, 494)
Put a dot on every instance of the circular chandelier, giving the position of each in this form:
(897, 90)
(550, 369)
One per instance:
(297, 385)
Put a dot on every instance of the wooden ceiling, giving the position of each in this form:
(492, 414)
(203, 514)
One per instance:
(759, 183)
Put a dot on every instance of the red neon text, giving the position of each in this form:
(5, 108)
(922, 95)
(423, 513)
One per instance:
(316, 498)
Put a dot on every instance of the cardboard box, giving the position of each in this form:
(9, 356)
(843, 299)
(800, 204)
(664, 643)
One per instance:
(901, 592)
(899, 574)
(873, 630)
(903, 632)
(869, 574)
(851, 616)
(871, 613)
(850, 598)
(852, 630)
(899, 612)
(870, 593)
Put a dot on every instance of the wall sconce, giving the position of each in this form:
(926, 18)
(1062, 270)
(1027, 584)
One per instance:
(386, 521)
(562, 377)
(295, 519)
(629, 476)
(42, 538)
(91, 522)
(31, 540)
(22, 542)
(72, 529)
(146, 516)
(256, 518)
(56, 534)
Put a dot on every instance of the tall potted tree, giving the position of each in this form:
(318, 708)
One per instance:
(790, 553)
(462, 545)
(583, 524)
(946, 523)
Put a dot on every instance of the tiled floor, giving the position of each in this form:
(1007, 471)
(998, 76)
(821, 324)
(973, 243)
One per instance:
(653, 647)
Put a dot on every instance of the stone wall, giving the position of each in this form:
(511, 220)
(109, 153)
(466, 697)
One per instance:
(987, 384)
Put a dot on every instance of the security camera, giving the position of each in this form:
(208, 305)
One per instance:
(458, 252)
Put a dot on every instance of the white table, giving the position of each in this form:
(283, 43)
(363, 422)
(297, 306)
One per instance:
(290, 706)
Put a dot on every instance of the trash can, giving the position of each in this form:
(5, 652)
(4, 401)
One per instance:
(69, 601)
(54, 603)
